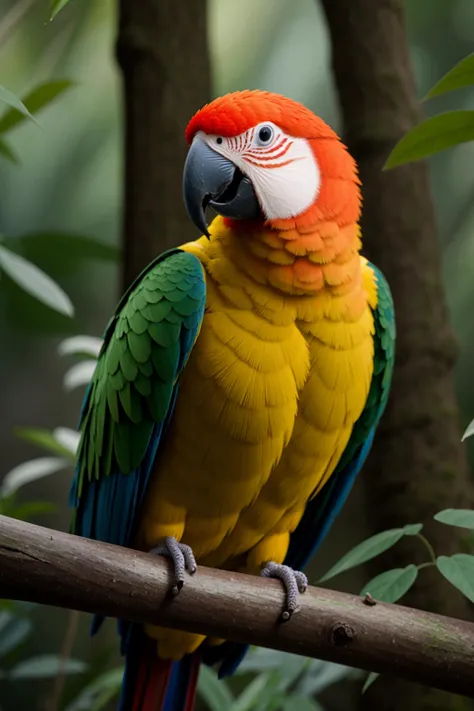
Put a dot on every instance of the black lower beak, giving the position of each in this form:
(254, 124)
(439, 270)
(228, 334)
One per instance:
(211, 180)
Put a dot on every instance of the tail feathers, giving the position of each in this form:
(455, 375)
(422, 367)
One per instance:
(154, 684)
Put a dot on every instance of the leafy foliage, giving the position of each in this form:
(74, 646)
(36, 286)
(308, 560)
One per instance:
(34, 281)
(432, 136)
(459, 77)
(40, 97)
(469, 431)
(372, 547)
(463, 518)
(56, 6)
(391, 585)
(442, 131)
(12, 100)
(459, 570)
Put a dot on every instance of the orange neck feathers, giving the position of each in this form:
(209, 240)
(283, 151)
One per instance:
(318, 249)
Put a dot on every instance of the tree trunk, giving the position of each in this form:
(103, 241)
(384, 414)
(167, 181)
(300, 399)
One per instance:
(162, 51)
(417, 466)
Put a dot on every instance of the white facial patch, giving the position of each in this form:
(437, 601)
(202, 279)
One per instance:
(283, 170)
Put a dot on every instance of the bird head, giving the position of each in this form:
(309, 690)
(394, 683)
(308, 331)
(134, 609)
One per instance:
(259, 155)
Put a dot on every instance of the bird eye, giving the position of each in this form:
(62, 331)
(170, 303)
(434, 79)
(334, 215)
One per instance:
(265, 135)
(219, 140)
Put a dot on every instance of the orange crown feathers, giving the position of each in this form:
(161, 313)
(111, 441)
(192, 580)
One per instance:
(339, 197)
(232, 114)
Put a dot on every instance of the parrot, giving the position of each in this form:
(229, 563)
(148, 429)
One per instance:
(241, 378)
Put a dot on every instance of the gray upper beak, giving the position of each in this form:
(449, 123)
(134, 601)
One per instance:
(210, 179)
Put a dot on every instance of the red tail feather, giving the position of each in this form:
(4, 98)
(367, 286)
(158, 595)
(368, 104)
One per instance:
(154, 684)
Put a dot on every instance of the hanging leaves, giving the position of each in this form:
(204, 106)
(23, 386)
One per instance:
(432, 136)
(12, 100)
(372, 547)
(55, 7)
(459, 77)
(391, 585)
(35, 282)
(30, 471)
(459, 570)
(464, 518)
(36, 100)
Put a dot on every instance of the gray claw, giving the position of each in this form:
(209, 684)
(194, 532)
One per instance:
(295, 582)
(182, 558)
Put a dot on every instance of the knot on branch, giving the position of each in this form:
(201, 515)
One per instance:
(342, 634)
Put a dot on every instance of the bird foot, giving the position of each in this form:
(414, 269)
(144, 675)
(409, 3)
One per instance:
(295, 582)
(182, 558)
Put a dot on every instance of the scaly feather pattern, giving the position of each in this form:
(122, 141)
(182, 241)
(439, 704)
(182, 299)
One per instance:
(322, 510)
(129, 403)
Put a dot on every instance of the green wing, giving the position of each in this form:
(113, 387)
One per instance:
(131, 396)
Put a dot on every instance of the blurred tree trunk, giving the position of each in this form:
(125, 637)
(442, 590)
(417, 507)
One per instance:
(417, 466)
(162, 51)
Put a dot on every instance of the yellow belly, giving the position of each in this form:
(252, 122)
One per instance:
(234, 416)
(264, 412)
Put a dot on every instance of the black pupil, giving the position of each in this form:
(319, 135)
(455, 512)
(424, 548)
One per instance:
(219, 140)
(265, 134)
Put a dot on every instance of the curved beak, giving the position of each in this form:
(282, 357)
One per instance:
(211, 180)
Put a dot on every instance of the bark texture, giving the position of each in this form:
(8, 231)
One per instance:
(50, 567)
(162, 51)
(418, 465)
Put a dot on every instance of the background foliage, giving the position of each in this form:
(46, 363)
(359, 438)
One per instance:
(60, 210)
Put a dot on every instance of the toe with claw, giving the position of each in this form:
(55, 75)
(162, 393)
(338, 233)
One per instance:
(295, 582)
(182, 558)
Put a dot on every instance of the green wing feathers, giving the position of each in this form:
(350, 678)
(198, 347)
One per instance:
(145, 348)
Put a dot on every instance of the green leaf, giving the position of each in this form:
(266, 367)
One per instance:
(252, 694)
(459, 570)
(215, 692)
(391, 585)
(46, 666)
(79, 374)
(35, 282)
(63, 248)
(301, 703)
(464, 518)
(30, 471)
(372, 547)
(67, 438)
(469, 431)
(459, 77)
(320, 675)
(37, 99)
(47, 440)
(8, 152)
(369, 681)
(55, 7)
(99, 692)
(412, 529)
(81, 345)
(432, 136)
(9, 98)
(13, 631)
(24, 512)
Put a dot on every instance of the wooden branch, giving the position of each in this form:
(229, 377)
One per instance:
(45, 566)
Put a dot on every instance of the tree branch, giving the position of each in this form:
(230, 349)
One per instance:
(54, 568)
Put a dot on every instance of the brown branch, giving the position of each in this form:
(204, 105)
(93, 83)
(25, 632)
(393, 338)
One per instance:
(54, 568)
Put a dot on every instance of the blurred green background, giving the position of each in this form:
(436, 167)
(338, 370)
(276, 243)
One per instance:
(68, 183)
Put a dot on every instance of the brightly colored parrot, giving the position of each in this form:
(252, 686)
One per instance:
(241, 378)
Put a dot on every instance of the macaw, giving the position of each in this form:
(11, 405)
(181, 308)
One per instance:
(241, 378)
